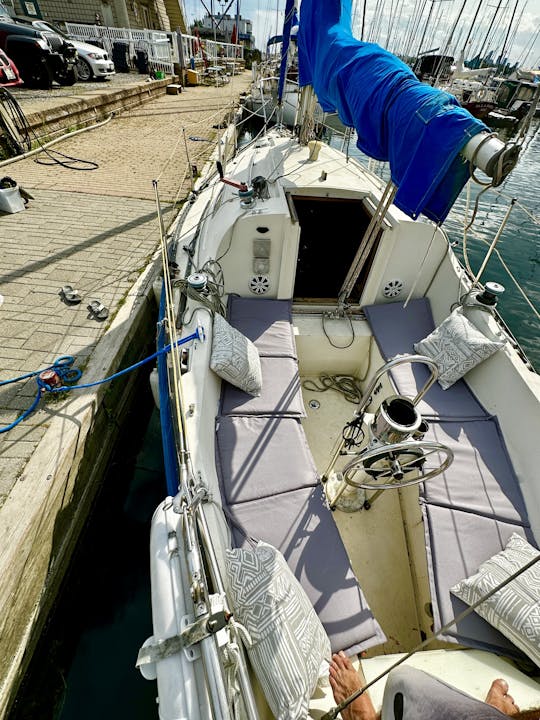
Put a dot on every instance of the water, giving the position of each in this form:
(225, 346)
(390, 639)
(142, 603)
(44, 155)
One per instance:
(84, 667)
(519, 244)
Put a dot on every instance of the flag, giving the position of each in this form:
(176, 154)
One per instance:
(234, 35)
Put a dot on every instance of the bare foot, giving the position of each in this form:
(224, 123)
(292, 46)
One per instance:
(345, 680)
(499, 698)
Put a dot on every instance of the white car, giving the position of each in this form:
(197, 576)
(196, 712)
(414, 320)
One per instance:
(93, 61)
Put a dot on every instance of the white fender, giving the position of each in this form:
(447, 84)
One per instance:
(180, 678)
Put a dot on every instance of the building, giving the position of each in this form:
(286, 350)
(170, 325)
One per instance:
(224, 29)
(150, 14)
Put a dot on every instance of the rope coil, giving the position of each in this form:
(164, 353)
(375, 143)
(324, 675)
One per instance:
(52, 378)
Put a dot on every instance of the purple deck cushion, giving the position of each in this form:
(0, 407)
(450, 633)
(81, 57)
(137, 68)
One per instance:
(302, 528)
(281, 392)
(395, 330)
(457, 543)
(267, 323)
(259, 457)
(481, 478)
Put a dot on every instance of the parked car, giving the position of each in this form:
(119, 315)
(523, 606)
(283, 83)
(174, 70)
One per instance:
(9, 75)
(41, 58)
(92, 61)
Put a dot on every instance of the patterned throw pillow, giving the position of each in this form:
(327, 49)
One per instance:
(456, 346)
(515, 609)
(289, 641)
(235, 358)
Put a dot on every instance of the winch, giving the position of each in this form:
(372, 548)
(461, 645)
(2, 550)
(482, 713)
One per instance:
(198, 281)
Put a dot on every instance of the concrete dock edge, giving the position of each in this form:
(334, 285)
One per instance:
(41, 519)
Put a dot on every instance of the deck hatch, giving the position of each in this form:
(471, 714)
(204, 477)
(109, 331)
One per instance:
(331, 231)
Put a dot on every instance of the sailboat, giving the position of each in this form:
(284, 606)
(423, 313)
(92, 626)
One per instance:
(350, 432)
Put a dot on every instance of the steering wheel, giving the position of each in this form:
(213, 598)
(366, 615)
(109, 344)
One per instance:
(389, 465)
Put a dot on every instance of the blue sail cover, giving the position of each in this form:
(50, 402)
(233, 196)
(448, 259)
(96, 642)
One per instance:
(419, 129)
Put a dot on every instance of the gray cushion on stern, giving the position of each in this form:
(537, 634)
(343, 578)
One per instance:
(395, 330)
(262, 456)
(302, 528)
(457, 543)
(281, 393)
(481, 478)
(267, 323)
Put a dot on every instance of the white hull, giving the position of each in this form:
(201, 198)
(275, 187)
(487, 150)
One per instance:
(385, 545)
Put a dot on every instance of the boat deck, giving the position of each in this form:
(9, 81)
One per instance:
(375, 539)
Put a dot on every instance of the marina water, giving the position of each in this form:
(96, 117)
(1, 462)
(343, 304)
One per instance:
(85, 665)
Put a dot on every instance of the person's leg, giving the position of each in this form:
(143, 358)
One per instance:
(499, 698)
(344, 681)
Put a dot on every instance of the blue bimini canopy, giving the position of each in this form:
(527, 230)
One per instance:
(419, 129)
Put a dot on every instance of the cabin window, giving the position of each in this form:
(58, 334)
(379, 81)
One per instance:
(331, 230)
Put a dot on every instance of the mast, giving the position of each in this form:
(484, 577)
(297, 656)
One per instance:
(363, 20)
(473, 23)
(480, 54)
(503, 51)
(213, 20)
(425, 29)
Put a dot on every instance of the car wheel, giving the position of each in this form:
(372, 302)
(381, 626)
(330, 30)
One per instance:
(68, 78)
(40, 76)
(84, 71)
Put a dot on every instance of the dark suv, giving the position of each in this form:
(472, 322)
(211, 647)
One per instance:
(40, 57)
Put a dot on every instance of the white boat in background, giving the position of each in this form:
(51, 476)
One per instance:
(307, 421)
(264, 101)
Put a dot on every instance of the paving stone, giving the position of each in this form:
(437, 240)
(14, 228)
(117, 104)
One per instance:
(12, 469)
(94, 230)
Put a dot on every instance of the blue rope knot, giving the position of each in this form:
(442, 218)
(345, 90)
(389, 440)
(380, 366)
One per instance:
(52, 379)
(56, 375)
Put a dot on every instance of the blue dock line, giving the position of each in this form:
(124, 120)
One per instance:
(62, 371)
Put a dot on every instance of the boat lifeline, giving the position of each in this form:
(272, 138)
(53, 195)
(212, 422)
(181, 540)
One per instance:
(351, 433)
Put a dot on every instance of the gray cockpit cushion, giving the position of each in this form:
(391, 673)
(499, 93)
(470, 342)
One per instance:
(458, 543)
(395, 330)
(481, 478)
(302, 528)
(280, 395)
(261, 457)
(267, 323)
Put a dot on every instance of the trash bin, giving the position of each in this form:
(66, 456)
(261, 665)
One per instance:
(97, 41)
(120, 55)
(141, 61)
